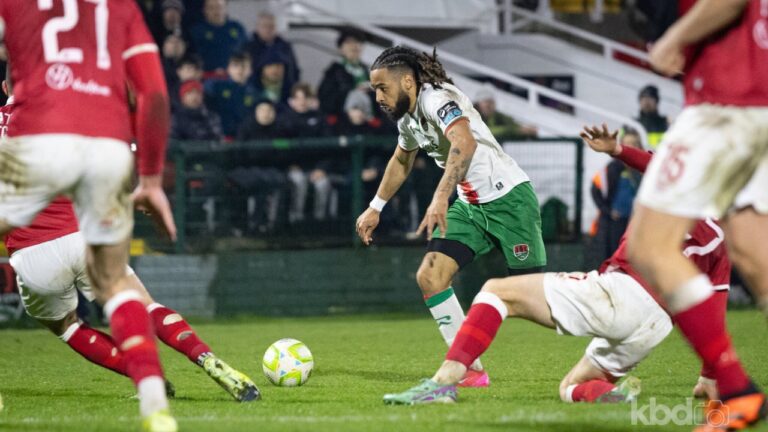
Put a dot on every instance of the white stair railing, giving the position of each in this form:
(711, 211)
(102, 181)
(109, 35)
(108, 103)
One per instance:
(299, 11)
(608, 47)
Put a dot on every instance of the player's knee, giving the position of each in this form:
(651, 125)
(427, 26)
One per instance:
(506, 290)
(60, 327)
(430, 280)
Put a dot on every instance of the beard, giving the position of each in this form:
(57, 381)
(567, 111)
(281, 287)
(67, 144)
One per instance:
(401, 107)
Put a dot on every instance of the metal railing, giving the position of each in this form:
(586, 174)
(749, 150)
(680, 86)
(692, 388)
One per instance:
(607, 46)
(301, 12)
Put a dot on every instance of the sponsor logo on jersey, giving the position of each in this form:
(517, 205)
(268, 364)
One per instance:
(499, 186)
(60, 77)
(449, 112)
(521, 251)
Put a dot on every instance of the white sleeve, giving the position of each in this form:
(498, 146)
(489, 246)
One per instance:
(406, 140)
(442, 108)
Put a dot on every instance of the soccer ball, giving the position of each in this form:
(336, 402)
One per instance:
(288, 363)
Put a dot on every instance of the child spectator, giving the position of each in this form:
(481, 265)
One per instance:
(266, 42)
(302, 119)
(190, 68)
(261, 125)
(344, 75)
(192, 121)
(217, 37)
(233, 99)
(358, 116)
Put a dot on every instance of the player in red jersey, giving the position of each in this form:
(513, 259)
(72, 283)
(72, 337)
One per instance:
(713, 162)
(48, 257)
(614, 305)
(70, 62)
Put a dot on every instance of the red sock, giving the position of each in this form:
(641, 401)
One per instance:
(95, 346)
(476, 334)
(704, 327)
(133, 334)
(721, 297)
(176, 333)
(591, 390)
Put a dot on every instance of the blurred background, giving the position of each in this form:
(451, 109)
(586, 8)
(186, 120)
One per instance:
(277, 144)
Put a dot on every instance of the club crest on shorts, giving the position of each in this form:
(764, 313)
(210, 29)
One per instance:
(521, 251)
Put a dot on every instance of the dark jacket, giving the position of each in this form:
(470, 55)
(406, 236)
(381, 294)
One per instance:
(233, 102)
(259, 50)
(251, 130)
(334, 87)
(302, 125)
(195, 125)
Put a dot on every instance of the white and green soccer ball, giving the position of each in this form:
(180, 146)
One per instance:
(288, 363)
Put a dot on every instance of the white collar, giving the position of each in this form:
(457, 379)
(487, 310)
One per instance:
(10, 101)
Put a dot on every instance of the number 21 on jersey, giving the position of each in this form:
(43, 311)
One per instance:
(54, 53)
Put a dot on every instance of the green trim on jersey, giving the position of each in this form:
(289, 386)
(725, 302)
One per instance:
(512, 223)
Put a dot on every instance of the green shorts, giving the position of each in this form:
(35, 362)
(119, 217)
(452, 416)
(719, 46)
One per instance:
(512, 223)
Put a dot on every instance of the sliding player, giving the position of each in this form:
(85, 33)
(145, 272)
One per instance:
(49, 260)
(70, 62)
(614, 305)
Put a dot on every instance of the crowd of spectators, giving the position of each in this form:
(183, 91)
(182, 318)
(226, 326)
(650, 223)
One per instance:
(229, 86)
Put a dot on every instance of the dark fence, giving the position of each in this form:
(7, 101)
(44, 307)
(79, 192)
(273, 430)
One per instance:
(307, 193)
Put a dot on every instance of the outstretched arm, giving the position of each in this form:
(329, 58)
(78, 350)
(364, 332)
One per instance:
(603, 141)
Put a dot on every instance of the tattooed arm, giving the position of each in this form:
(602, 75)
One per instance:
(463, 147)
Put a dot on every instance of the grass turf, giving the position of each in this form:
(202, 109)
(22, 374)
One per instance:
(47, 387)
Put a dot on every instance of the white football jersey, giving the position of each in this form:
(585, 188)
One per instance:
(492, 173)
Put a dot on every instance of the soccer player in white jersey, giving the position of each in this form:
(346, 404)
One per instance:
(496, 205)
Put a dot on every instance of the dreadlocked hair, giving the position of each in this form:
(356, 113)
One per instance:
(426, 68)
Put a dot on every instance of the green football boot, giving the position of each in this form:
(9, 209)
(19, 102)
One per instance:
(234, 382)
(626, 391)
(426, 392)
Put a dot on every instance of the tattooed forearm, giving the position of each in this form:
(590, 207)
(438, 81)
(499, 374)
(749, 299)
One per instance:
(463, 147)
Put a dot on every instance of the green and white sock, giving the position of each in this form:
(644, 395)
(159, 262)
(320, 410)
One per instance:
(446, 310)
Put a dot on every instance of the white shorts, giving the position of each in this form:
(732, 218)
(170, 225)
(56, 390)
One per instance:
(624, 319)
(95, 172)
(50, 274)
(706, 159)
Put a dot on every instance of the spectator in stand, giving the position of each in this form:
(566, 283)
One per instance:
(613, 191)
(302, 119)
(262, 124)
(358, 116)
(270, 82)
(169, 21)
(499, 124)
(233, 99)
(192, 121)
(266, 42)
(653, 122)
(216, 38)
(344, 75)
(174, 49)
(190, 68)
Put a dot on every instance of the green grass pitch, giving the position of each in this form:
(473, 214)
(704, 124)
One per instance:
(46, 387)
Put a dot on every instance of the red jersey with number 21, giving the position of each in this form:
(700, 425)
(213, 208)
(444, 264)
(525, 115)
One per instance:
(67, 61)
